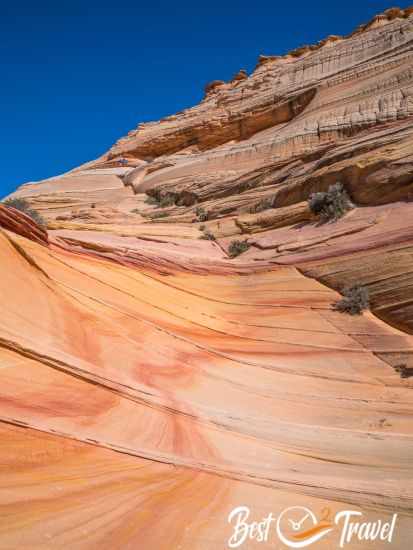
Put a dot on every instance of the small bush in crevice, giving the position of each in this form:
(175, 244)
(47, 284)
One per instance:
(23, 206)
(167, 200)
(330, 205)
(355, 300)
(404, 370)
(156, 215)
(153, 201)
(161, 202)
(238, 247)
(208, 235)
(201, 214)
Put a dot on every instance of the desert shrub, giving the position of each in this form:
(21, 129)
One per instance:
(162, 202)
(355, 300)
(152, 200)
(208, 235)
(135, 211)
(237, 247)
(167, 200)
(24, 206)
(201, 214)
(404, 370)
(330, 205)
(156, 215)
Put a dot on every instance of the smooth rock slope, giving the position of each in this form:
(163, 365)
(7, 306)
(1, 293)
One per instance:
(150, 383)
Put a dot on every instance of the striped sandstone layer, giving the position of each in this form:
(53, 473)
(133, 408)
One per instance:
(149, 383)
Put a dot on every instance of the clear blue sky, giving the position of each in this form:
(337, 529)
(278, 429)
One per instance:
(76, 75)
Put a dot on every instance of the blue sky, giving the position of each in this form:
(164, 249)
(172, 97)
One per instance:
(78, 75)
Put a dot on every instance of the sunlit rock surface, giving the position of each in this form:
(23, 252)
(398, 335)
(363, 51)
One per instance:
(150, 383)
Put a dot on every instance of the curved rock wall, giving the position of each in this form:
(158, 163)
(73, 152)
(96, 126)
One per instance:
(150, 382)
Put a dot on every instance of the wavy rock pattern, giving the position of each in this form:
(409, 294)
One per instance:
(149, 383)
(20, 223)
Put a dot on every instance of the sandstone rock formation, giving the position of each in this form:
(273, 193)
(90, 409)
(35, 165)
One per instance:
(150, 383)
(20, 223)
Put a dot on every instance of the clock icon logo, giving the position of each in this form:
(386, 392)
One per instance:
(298, 527)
